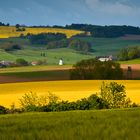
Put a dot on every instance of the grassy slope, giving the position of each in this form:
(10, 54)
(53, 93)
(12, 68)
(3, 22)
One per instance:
(134, 61)
(38, 68)
(120, 124)
(109, 46)
(101, 46)
(52, 56)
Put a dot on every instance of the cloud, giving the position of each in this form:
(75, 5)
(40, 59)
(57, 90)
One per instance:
(117, 7)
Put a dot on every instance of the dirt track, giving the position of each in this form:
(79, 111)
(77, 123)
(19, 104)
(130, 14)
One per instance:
(135, 70)
(14, 79)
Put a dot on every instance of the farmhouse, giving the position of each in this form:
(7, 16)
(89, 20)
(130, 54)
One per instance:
(5, 63)
(105, 58)
(34, 63)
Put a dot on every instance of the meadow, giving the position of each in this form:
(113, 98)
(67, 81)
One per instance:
(101, 47)
(10, 31)
(66, 90)
(119, 124)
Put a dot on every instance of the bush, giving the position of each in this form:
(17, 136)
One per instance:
(21, 62)
(129, 53)
(33, 102)
(3, 110)
(11, 47)
(94, 69)
(115, 95)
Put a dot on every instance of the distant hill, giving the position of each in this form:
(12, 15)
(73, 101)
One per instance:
(12, 31)
(105, 31)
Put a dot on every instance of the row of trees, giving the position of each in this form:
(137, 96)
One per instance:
(3, 24)
(59, 40)
(95, 69)
(105, 31)
(45, 38)
(111, 95)
(11, 47)
(129, 53)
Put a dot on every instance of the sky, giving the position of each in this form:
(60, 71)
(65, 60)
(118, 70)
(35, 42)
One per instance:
(62, 12)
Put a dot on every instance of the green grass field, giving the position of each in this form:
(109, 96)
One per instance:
(101, 46)
(52, 56)
(134, 61)
(121, 124)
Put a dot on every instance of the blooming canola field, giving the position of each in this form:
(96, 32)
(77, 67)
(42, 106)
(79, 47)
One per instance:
(6, 32)
(66, 90)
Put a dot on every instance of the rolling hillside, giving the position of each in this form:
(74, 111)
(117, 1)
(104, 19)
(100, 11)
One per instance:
(120, 124)
(10, 31)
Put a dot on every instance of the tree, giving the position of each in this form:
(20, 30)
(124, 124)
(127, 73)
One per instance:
(32, 102)
(80, 45)
(94, 69)
(133, 53)
(123, 54)
(45, 38)
(11, 47)
(21, 62)
(17, 25)
(114, 94)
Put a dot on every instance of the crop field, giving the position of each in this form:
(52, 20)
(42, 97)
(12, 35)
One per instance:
(120, 124)
(100, 46)
(52, 56)
(66, 90)
(6, 32)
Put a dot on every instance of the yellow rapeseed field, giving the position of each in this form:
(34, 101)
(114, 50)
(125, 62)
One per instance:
(66, 90)
(6, 32)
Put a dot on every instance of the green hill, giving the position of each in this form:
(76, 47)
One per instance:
(120, 124)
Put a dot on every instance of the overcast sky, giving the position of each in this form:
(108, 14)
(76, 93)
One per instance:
(62, 12)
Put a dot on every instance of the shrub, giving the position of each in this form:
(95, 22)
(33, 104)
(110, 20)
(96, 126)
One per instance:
(33, 102)
(115, 95)
(21, 62)
(3, 110)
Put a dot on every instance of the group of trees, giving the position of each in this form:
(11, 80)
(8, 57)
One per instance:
(45, 38)
(59, 40)
(105, 31)
(10, 47)
(129, 53)
(111, 95)
(3, 24)
(80, 45)
(95, 69)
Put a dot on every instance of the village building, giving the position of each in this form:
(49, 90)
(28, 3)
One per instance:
(61, 62)
(6, 63)
(105, 58)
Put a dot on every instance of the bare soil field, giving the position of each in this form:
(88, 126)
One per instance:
(131, 37)
(135, 70)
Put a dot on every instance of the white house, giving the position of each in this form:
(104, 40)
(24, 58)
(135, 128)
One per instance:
(105, 58)
(61, 62)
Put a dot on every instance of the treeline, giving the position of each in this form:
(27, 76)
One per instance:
(129, 53)
(105, 31)
(95, 69)
(45, 38)
(106, 99)
(3, 24)
(59, 40)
